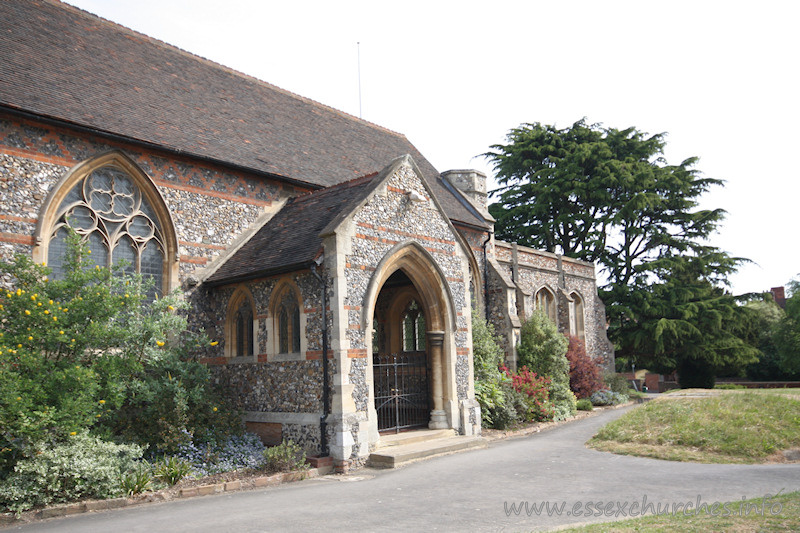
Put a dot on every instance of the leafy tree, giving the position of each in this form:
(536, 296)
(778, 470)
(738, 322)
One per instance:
(760, 331)
(608, 196)
(683, 321)
(787, 335)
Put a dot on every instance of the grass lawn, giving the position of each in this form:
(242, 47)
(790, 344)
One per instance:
(790, 392)
(781, 513)
(724, 427)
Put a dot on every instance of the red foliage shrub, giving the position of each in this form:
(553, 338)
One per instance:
(536, 391)
(585, 375)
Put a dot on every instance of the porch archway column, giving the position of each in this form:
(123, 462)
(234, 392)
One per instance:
(438, 415)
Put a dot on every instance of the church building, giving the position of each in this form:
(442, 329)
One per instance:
(337, 269)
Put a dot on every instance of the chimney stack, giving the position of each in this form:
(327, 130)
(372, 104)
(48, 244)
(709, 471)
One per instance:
(779, 296)
(471, 182)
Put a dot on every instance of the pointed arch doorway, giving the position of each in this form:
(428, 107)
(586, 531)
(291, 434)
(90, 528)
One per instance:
(400, 363)
(411, 373)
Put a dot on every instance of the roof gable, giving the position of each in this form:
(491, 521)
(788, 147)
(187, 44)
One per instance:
(385, 175)
(291, 239)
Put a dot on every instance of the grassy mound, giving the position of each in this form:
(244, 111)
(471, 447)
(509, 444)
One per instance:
(730, 427)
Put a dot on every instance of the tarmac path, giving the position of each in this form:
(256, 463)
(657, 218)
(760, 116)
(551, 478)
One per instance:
(471, 491)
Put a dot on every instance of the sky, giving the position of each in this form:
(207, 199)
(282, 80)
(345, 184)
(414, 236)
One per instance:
(720, 78)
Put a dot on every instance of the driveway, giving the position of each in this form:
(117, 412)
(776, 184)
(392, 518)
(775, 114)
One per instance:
(471, 491)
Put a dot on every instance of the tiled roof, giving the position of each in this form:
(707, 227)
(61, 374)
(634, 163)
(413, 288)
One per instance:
(291, 239)
(60, 62)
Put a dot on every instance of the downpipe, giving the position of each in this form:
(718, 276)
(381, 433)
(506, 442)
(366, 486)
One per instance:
(486, 277)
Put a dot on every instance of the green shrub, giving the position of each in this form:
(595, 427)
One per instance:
(170, 401)
(729, 386)
(563, 400)
(171, 470)
(82, 467)
(285, 457)
(137, 480)
(57, 371)
(584, 404)
(91, 352)
(543, 350)
(510, 412)
(487, 359)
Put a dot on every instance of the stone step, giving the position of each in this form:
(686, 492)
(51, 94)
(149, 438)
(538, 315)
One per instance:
(410, 437)
(394, 456)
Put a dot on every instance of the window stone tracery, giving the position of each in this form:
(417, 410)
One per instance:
(108, 209)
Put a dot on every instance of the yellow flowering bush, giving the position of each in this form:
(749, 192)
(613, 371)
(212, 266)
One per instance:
(97, 356)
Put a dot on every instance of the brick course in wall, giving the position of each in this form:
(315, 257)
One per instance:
(210, 205)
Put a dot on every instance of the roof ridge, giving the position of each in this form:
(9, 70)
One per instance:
(225, 68)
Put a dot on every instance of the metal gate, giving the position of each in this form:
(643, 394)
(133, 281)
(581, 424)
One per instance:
(401, 390)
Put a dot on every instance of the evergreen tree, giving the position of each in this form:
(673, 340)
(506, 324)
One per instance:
(599, 194)
(608, 196)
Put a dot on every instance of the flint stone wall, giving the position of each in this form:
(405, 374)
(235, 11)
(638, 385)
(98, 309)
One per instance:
(537, 269)
(264, 386)
(388, 218)
(210, 205)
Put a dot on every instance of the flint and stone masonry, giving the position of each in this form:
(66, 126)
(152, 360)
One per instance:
(263, 196)
(282, 397)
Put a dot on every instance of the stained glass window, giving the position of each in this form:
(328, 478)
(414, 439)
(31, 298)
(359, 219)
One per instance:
(413, 323)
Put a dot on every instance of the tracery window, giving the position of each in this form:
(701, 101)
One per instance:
(413, 324)
(109, 211)
(546, 302)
